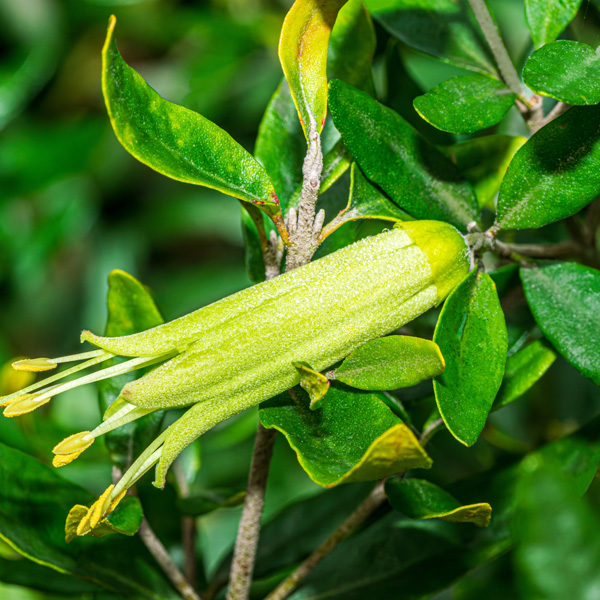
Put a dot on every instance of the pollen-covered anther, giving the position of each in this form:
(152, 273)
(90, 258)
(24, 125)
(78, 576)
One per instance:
(34, 365)
(71, 448)
(24, 404)
(105, 504)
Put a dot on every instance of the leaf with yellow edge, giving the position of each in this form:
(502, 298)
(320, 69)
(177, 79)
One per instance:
(421, 499)
(125, 519)
(315, 383)
(353, 437)
(303, 47)
(179, 142)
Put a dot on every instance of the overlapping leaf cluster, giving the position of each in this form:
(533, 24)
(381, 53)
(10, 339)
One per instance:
(521, 185)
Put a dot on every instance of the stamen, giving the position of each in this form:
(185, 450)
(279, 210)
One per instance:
(44, 382)
(120, 369)
(141, 465)
(25, 404)
(129, 412)
(71, 448)
(105, 504)
(35, 365)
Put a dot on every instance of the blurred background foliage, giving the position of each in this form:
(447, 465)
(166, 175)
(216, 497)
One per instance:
(74, 205)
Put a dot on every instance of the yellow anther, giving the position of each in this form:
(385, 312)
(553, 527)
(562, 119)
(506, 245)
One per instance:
(34, 365)
(71, 448)
(5, 403)
(24, 404)
(78, 442)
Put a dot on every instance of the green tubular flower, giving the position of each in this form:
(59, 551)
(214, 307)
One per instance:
(241, 350)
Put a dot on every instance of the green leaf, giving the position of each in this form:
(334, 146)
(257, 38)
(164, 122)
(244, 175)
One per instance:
(471, 333)
(389, 363)
(315, 384)
(352, 46)
(523, 369)
(131, 309)
(280, 145)
(353, 437)
(547, 18)
(414, 174)
(555, 174)
(564, 70)
(125, 519)
(365, 202)
(446, 29)
(421, 499)
(34, 501)
(422, 558)
(465, 104)
(303, 48)
(483, 162)
(253, 256)
(178, 142)
(565, 301)
(550, 511)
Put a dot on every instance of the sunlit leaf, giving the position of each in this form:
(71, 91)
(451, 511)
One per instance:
(315, 384)
(523, 369)
(303, 48)
(420, 499)
(565, 301)
(414, 174)
(547, 18)
(389, 363)
(471, 333)
(555, 174)
(564, 70)
(465, 104)
(352, 437)
(178, 142)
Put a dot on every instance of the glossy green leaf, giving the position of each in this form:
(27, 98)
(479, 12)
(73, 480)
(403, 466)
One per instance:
(353, 436)
(315, 384)
(414, 174)
(34, 501)
(547, 18)
(365, 202)
(352, 46)
(205, 501)
(125, 519)
(422, 558)
(420, 499)
(178, 142)
(253, 256)
(26, 573)
(392, 362)
(523, 369)
(131, 309)
(565, 301)
(446, 29)
(280, 145)
(555, 174)
(465, 104)
(549, 510)
(303, 48)
(483, 162)
(471, 333)
(564, 70)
